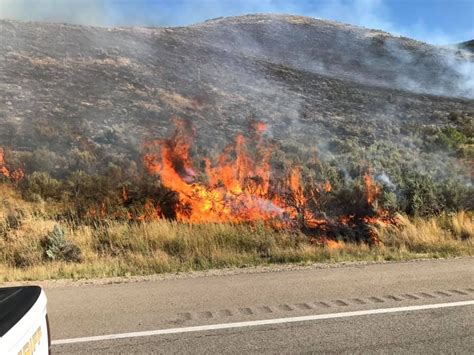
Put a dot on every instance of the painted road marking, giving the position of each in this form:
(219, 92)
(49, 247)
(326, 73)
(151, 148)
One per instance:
(261, 322)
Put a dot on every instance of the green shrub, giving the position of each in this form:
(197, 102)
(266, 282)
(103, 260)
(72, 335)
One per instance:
(450, 137)
(43, 160)
(43, 185)
(421, 195)
(56, 247)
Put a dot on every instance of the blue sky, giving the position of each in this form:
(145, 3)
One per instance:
(435, 21)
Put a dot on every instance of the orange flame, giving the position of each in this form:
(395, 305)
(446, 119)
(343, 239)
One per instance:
(240, 187)
(372, 191)
(3, 169)
(15, 175)
(334, 244)
(327, 187)
(237, 187)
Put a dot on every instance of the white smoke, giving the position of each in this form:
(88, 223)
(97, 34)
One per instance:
(462, 63)
(384, 179)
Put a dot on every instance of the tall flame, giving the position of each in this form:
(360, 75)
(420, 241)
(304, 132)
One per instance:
(236, 188)
(372, 190)
(238, 185)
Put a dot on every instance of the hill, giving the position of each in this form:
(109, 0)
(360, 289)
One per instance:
(239, 141)
(85, 98)
(468, 45)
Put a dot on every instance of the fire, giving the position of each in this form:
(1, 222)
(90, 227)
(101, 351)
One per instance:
(327, 187)
(15, 175)
(240, 186)
(372, 190)
(150, 212)
(99, 212)
(3, 169)
(236, 188)
(334, 244)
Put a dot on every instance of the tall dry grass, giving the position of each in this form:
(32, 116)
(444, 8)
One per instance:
(444, 235)
(112, 248)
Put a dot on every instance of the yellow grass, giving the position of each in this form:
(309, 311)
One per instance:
(443, 235)
(120, 249)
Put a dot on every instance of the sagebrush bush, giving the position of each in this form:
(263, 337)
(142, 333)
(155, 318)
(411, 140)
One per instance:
(450, 137)
(56, 247)
(43, 185)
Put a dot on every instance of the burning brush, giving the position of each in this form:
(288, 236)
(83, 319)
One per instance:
(240, 187)
(14, 175)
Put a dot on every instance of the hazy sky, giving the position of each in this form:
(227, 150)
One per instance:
(434, 21)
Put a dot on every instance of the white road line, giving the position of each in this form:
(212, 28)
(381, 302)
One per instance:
(261, 322)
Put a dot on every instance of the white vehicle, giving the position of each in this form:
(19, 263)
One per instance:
(24, 328)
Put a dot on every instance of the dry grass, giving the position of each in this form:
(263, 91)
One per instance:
(444, 235)
(121, 249)
(179, 102)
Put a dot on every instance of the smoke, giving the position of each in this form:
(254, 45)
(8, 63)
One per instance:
(366, 13)
(462, 63)
(384, 179)
(370, 57)
(429, 69)
(136, 13)
(376, 14)
(261, 90)
(458, 79)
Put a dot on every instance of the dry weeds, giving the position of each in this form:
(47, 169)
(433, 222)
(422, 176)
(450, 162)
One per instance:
(113, 248)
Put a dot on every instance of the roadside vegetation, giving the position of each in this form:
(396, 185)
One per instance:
(36, 244)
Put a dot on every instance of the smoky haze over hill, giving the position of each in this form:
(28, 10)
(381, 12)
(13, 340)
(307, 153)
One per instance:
(73, 94)
(347, 52)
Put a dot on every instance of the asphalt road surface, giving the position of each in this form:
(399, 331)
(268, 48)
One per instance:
(413, 307)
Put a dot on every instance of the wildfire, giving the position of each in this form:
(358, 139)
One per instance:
(371, 189)
(236, 188)
(15, 175)
(240, 186)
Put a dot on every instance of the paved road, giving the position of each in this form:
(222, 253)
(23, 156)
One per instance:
(403, 295)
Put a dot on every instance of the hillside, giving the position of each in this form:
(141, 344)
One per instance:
(106, 90)
(468, 45)
(82, 98)
(234, 142)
